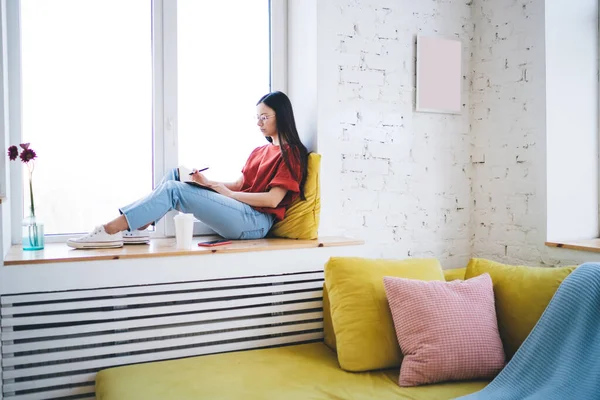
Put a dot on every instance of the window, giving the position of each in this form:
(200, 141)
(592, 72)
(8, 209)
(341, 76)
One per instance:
(86, 108)
(112, 94)
(219, 81)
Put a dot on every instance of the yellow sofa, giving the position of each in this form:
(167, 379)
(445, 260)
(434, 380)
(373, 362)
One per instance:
(312, 371)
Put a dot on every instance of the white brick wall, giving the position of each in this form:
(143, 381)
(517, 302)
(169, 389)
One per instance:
(416, 184)
(509, 135)
(399, 179)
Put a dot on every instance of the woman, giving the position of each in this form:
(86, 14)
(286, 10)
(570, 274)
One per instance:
(271, 180)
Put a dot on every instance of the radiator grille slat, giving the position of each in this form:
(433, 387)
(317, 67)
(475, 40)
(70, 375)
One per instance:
(157, 333)
(168, 320)
(43, 383)
(50, 307)
(79, 295)
(157, 309)
(54, 343)
(158, 355)
(159, 343)
(58, 393)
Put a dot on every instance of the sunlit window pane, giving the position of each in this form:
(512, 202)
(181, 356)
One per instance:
(223, 70)
(87, 107)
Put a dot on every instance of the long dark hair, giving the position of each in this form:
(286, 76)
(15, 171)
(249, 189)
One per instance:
(288, 134)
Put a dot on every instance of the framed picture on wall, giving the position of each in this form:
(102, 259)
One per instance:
(439, 75)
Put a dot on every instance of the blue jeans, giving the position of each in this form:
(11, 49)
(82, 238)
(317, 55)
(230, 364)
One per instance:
(230, 218)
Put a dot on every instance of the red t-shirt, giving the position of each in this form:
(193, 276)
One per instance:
(266, 169)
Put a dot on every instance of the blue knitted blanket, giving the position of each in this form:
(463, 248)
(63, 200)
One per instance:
(560, 359)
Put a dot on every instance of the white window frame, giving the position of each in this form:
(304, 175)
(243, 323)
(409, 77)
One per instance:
(13, 38)
(279, 45)
(165, 132)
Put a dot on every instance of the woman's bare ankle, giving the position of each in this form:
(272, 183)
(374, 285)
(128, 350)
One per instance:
(116, 225)
(111, 230)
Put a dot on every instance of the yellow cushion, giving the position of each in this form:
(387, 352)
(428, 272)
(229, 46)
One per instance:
(302, 217)
(521, 294)
(453, 274)
(328, 334)
(308, 371)
(362, 322)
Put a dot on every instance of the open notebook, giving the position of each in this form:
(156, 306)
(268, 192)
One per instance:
(185, 175)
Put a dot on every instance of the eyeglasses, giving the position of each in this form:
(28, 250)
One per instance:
(263, 118)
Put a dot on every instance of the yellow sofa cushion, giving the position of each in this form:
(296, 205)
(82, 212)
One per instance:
(453, 274)
(302, 217)
(521, 294)
(300, 372)
(329, 334)
(362, 322)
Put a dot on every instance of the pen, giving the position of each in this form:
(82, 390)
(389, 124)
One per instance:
(200, 170)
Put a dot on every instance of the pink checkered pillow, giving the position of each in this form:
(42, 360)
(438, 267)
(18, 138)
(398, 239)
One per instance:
(447, 331)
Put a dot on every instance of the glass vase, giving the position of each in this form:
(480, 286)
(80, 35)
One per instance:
(33, 234)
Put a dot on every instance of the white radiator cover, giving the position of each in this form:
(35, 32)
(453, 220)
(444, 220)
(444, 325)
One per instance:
(54, 343)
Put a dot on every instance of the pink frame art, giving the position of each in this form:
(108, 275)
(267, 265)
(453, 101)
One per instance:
(439, 75)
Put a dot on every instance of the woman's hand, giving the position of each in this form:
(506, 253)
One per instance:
(200, 179)
(218, 187)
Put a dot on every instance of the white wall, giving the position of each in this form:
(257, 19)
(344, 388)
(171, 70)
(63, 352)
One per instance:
(302, 66)
(508, 114)
(396, 178)
(415, 184)
(572, 119)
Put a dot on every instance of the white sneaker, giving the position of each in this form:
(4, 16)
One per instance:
(136, 237)
(97, 239)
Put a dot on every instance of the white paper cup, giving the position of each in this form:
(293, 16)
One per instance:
(184, 230)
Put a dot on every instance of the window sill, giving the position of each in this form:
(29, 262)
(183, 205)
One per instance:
(60, 252)
(592, 245)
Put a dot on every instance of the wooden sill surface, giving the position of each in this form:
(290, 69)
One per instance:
(60, 252)
(585, 245)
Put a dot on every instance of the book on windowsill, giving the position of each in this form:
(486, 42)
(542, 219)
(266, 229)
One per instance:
(185, 175)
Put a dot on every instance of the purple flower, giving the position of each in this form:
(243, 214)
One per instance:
(13, 153)
(27, 154)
